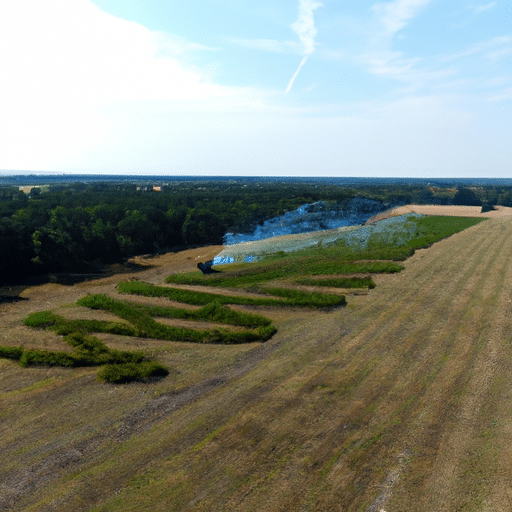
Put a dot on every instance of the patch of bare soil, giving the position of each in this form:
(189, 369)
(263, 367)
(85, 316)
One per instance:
(448, 210)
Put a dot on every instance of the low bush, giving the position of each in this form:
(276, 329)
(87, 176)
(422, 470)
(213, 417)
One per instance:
(305, 299)
(40, 319)
(11, 352)
(191, 297)
(213, 312)
(32, 357)
(129, 372)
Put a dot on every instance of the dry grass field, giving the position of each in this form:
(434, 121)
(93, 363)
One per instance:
(400, 401)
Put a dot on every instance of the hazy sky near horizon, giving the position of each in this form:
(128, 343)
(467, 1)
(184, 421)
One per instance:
(412, 88)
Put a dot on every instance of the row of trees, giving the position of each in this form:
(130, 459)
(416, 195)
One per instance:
(79, 227)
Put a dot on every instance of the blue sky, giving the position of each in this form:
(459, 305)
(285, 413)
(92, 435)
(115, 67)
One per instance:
(412, 88)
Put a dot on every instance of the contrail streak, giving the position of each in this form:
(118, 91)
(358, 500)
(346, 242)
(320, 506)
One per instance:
(305, 28)
(292, 79)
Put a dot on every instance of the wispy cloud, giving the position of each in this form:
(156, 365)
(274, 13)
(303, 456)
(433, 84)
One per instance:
(173, 45)
(393, 16)
(305, 28)
(268, 45)
(484, 46)
(380, 58)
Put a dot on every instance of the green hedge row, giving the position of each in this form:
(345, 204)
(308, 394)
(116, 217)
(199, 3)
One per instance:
(87, 350)
(147, 327)
(289, 297)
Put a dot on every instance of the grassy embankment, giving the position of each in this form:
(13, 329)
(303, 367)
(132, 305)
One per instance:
(273, 275)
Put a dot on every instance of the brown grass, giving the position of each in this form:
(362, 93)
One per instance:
(400, 401)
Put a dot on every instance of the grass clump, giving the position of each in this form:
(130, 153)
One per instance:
(40, 319)
(11, 352)
(34, 357)
(129, 372)
(306, 299)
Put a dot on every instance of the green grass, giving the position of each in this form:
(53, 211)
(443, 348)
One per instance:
(289, 298)
(125, 366)
(339, 282)
(147, 327)
(212, 312)
(432, 229)
(337, 259)
(128, 372)
(87, 350)
(251, 274)
(332, 262)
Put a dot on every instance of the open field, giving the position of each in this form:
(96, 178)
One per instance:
(399, 401)
(458, 211)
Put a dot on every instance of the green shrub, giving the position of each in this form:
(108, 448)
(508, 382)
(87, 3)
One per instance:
(40, 319)
(129, 372)
(306, 299)
(11, 352)
(339, 282)
(46, 358)
(191, 297)
(147, 327)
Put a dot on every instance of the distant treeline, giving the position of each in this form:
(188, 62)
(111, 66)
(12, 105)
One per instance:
(80, 226)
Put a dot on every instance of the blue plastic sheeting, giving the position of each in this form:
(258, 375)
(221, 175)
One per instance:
(311, 217)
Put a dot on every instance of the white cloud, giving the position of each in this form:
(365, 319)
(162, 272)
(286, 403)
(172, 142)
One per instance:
(304, 27)
(393, 16)
(64, 63)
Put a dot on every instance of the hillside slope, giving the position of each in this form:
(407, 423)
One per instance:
(399, 401)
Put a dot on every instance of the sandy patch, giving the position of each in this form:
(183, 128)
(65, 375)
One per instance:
(449, 210)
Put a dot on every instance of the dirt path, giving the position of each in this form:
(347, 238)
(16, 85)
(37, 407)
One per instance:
(398, 402)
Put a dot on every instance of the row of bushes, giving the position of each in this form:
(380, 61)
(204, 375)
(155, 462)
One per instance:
(250, 275)
(212, 312)
(339, 282)
(147, 327)
(288, 297)
(125, 366)
(117, 366)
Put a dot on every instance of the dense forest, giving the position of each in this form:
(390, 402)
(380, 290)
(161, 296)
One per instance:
(79, 227)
